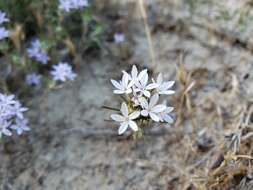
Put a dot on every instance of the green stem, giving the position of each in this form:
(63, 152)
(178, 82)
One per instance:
(110, 108)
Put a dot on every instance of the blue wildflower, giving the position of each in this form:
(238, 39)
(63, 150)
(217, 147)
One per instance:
(79, 4)
(68, 5)
(119, 38)
(65, 5)
(62, 72)
(11, 115)
(21, 125)
(3, 17)
(33, 79)
(4, 33)
(36, 52)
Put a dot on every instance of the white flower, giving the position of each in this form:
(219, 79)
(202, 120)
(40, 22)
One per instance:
(165, 117)
(163, 86)
(123, 86)
(135, 76)
(126, 119)
(142, 85)
(151, 109)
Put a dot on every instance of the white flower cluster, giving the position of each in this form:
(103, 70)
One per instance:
(141, 99)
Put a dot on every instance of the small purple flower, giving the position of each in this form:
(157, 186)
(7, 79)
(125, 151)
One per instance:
(42, 57)
(34, 49)
(4, 33)
(36, 52)
(119, 38)
(68, 5)
(20, 126)
(78, 4)
(63, 72)
(33, 79)
(3, 17)
(65, 5)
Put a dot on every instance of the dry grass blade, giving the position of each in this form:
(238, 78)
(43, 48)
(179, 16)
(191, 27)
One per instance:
(187, 84)
(147, 31)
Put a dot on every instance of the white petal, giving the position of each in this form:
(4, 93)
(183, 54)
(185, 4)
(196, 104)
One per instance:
(134, 115)
(118, 92)
(165, 86)
(167, 92)
(161, 118)
(168, 118)
(134, 72)
(26, 129)
(6, 132)
(158, 108)
(144, 79)
(125, 79)
(116, 84)
(152, 86)
(146, 93)
(153, 100)
(160, 79)
(144, 113)
(128, 91)
(169, 109)
(142, 73)
(124, 72)
(118, 118)
(168, 84)
(138, 86)
(19, 131)
(123, 127)
(131, 83)
(124, 109)
(154, 117)
(133, 125)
